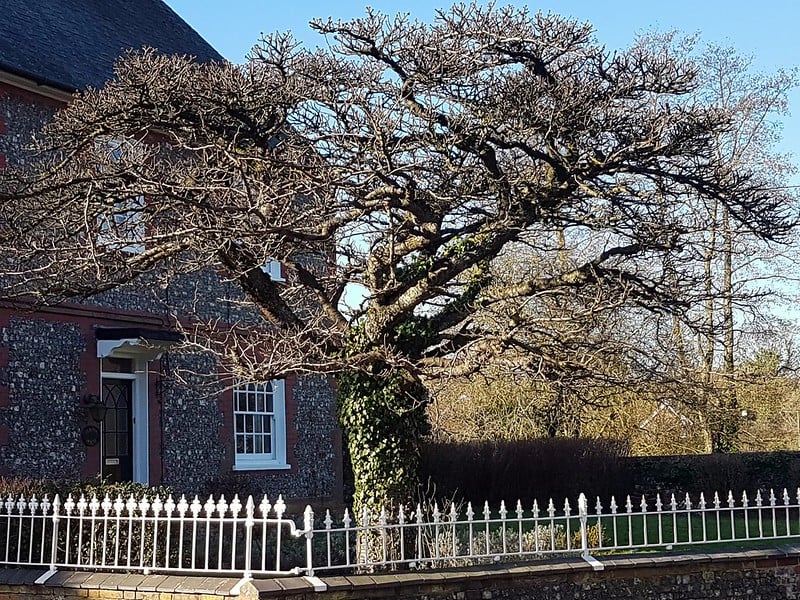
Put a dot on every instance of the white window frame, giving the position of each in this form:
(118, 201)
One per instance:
(276, 459)
(122, 228)
(273, 269)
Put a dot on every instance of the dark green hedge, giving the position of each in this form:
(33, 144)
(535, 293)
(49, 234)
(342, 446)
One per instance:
(747, 471)
(562, 468)
(523, 469)
(27, 486)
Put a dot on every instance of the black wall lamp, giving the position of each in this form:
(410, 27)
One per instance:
(95, 407)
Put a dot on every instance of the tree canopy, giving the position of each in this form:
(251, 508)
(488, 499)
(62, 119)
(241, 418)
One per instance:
(402, 159)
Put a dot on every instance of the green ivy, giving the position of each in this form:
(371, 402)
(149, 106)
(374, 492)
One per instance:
(414, 270)
(382, 411)
(384, 420)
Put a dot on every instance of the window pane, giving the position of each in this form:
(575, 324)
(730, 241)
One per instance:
(122, 444)
(112, 364)
(254, 421)
(122, 420)
(110, 444)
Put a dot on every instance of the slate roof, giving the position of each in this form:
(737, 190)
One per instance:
(70, 44)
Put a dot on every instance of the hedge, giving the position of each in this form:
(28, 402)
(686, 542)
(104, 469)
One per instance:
(562, 468)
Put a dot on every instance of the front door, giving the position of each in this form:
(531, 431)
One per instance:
(117, 462)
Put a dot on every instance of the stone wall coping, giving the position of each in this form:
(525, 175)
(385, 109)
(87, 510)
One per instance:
(298, 586)
(766, 557)
(93, 580)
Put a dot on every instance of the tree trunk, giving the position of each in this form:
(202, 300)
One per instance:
(710, 328)
(708, 339)
(384, 420)
(728, 434)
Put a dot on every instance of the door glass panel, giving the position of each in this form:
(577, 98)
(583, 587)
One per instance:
(122, 445)
(117, 463)
(110, 444)
(122, 420)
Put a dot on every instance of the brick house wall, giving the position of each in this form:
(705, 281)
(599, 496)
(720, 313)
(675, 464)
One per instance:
(48, 362)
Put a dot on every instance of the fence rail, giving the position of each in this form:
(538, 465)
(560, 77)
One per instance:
(151, 534)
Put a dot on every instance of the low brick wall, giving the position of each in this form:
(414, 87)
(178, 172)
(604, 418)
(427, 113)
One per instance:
(764, 574)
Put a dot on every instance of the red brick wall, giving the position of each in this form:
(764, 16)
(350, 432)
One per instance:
(2, 132)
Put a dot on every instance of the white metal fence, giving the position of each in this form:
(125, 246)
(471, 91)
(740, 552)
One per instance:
(151, 534)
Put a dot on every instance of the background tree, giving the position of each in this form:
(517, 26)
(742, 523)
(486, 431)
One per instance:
(743, 277)
(671, 379)
(420, 153)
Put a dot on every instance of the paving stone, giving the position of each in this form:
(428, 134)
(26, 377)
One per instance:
(338, 583)
(151, 582)
(171, 583)
(266, 587)
(130, 582)
(294, 584)
(222, 585)
(76, 579)
(104, 580)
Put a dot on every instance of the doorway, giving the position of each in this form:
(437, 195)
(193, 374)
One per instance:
(117, 448)
(124, 453)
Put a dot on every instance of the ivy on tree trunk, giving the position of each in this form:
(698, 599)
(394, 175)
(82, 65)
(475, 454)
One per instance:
(384, 419)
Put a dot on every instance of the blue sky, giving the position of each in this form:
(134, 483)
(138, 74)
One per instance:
(768, 30)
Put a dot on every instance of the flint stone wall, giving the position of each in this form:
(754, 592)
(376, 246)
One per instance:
(43, 381)
(40, 369)
(761, 574)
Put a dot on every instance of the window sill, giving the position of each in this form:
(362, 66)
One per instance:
(262, 467)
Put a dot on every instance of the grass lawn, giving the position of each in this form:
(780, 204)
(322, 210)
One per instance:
(715, 528)
(718, 527)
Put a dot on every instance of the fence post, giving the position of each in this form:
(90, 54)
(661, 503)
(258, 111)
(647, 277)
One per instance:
(583, 513)
(249, 522)
(308, 525)
(54, 544)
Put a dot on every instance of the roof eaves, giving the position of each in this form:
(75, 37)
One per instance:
(37, 85)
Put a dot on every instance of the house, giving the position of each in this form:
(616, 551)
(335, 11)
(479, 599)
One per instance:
(91, 387)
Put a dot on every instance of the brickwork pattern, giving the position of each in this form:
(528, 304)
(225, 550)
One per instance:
(17, 584)
(765, 574)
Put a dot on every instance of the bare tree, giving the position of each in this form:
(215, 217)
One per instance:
(742, 274)
(403, 159)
